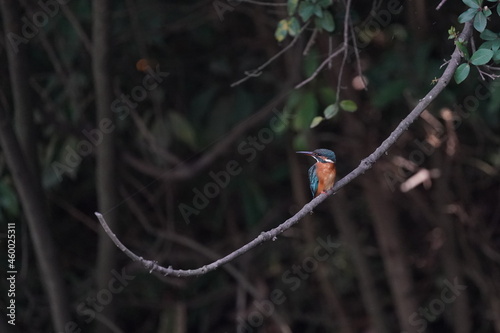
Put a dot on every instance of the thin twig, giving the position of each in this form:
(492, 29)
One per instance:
(490, 75)
(356, 54)
(190, 166)
(320, 67)
(330, 50)
(364, 166)
(441, 4)
(311, 42)
(153, 141)
(80, 31)
(258, 70)
(346, 48)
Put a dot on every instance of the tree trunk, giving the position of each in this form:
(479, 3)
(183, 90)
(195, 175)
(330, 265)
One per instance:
(19, 72)
(371, 297)
(449, 256)
(389, 238)
(21, 158)
(33, 203)
(106, 156)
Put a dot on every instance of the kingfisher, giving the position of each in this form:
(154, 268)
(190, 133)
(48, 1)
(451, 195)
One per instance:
(322, 173)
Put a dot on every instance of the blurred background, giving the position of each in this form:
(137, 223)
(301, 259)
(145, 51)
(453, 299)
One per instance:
(160, 115)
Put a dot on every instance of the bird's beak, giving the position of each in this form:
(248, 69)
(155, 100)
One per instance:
(305, 152)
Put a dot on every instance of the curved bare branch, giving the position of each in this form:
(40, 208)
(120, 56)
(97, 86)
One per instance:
(364, 166)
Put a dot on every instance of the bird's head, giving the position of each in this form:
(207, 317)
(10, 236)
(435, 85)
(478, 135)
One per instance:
(321, 155)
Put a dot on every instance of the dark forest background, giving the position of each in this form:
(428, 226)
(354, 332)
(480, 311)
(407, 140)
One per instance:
(129, 108)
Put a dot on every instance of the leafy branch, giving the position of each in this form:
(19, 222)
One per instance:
(364, 166)
(488, 51)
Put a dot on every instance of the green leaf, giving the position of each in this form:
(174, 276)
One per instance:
(348, 105)
(327, 95)
(462, 49)
(311, 62)
(292, 6)
(462, 72)
(467, 15)
(488, 35)
(318, 11)
(331, 111)
(491, 45)
(324, 3)
(481, 57)
(306, 111)
(498, 10)
(316, 121)
(281, 30)
(182, 129)
(495, 44)
(480, 21)
(452, 33)
(472, 3)
(294, 99)
(496, 56)
(306, 10)
(326, 22)
(293, 26)
(487, 12)
(300, 141)
(386, 94)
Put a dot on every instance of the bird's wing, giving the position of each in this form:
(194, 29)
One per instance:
(313, 179)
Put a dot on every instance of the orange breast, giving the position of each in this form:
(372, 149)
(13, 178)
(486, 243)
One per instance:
(326, 173)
